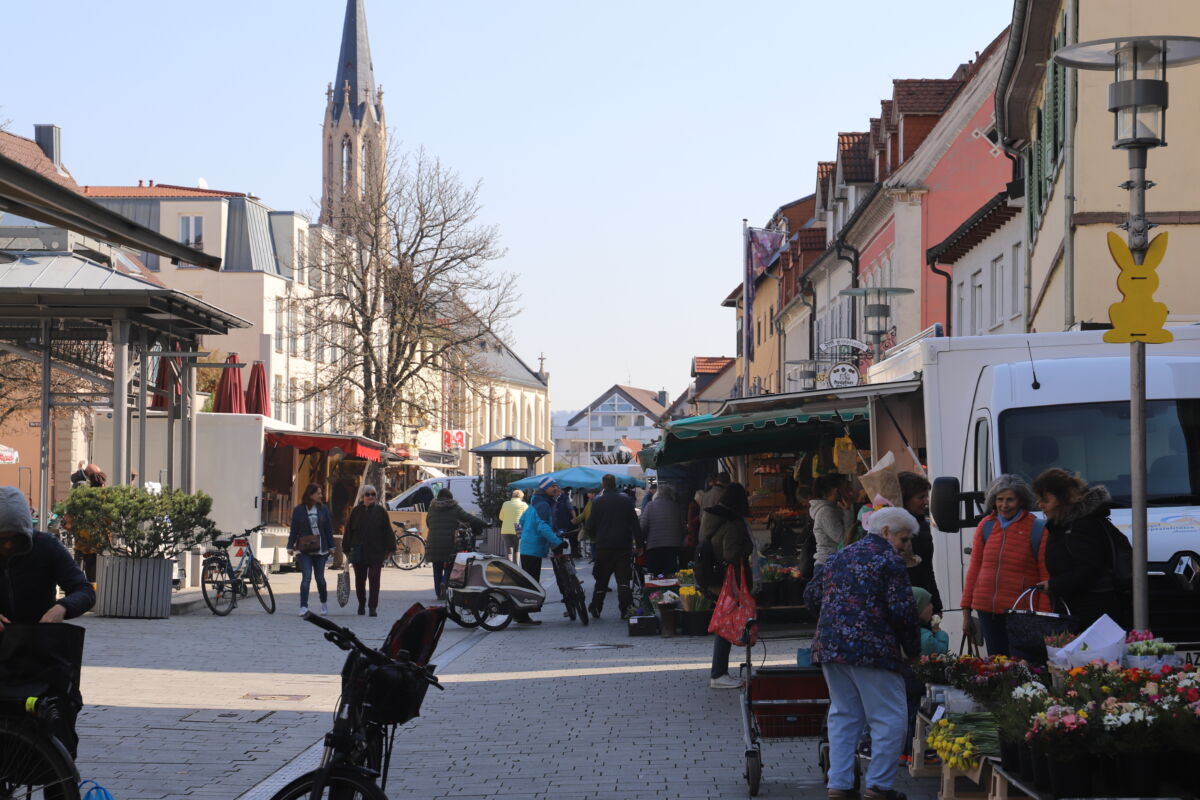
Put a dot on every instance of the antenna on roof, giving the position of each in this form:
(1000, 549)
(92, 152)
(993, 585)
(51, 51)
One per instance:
(1035, 385)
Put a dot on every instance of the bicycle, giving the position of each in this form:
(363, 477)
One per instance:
(379, 693)
(410, 548)
(33, 762)
(222, 582)
(569, 586)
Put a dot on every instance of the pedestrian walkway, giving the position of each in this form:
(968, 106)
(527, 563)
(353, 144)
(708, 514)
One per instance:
(201, 706)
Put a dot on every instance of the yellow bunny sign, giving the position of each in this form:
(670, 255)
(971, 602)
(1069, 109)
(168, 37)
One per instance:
(1138, 317)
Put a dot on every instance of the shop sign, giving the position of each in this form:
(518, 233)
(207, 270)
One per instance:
(853, 344)
(9, 455)
(842, 375)
(454, 439)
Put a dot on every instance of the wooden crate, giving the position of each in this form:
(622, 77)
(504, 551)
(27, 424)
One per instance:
(920, 743)
(980, 776)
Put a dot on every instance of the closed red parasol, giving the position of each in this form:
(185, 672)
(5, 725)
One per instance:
(229, 398)
(258, 399)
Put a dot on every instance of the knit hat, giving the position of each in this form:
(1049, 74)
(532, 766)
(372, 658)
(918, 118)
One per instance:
(923, 598)
(546, 482)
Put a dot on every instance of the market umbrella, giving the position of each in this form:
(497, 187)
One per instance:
(258, 399)
(578, 478)
(164, 382)
(229, 398)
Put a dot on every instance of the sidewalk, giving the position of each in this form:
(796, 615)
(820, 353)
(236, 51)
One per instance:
(230, 702)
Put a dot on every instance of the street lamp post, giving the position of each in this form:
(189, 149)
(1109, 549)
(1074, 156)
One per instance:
(1138, 100)
(877, 312)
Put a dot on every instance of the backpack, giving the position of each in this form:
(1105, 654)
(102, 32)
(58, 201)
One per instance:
(1121, 571)
(1035, 535)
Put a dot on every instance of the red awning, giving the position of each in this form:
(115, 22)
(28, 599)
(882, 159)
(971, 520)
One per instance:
(354, 446)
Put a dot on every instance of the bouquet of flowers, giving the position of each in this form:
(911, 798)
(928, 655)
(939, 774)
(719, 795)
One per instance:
(1150, 648)
(1138, 636)
(990, 680)
(933, 668)
(1061, 730)
(692, 599)
(961, 740)
(686, 577)
(667, 598)
(1024, 701)
(1129, 727)
(1060, 639)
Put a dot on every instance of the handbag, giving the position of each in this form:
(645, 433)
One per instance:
(308, 543)
(343, 589)
(1028, 629)
(736, 611)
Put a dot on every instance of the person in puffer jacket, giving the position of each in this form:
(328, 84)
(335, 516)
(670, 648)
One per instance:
(1004, 563)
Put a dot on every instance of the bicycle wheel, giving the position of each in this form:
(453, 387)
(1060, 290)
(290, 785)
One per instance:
(343, 784)
(33, 765)
(460, 613)
(492, 615)
(410, 552)
(220, 592)
(580, 601)
(262, 587)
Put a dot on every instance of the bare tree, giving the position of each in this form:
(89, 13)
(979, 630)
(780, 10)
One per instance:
(404, 301)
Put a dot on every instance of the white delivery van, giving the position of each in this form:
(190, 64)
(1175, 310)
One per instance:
(418, 496)
(987, 405)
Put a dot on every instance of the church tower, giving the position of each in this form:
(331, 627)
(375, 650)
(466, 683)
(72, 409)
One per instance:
(355, 130)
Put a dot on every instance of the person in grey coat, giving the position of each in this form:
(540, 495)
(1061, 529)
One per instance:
(663, 526)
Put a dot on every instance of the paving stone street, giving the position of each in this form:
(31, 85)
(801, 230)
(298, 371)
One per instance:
(234, 707)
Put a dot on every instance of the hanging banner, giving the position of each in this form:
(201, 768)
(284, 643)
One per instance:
(853, 344)
(9, 455)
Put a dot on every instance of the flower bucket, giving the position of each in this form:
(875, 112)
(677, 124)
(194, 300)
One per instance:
(1070, 777)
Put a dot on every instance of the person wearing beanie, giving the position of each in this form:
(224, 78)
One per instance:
(933, 638)
(33, 566)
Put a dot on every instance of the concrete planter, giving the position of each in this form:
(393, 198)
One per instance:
(133, 587)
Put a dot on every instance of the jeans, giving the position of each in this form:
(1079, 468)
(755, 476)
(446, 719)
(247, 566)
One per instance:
(720, 664)
(312, 564)
(441, 571)
(861, 696)
(364, 573)
(609, 563)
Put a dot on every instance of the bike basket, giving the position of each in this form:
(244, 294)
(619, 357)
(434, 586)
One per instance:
(394, 694)
(458, 575)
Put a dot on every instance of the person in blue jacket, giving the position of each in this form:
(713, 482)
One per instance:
(537, 534)
(312, 517)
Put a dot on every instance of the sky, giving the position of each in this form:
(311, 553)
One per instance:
(619, 144)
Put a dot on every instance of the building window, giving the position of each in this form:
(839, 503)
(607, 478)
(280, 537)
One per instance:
(977, 303)
(308, 407)
(319, 412)
(347, 163)
(308, 334)
(959, 324)
(293, 336)
(300, 255)
(279, 319)
(998, 287)
(362, 167)
(315, 268)
(277, 398)
(1015, 280)
(191, 231)
(293, 391)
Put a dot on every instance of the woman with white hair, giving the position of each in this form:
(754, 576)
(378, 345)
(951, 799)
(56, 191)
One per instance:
(1008, 556)
(866, 627)
(367, 542)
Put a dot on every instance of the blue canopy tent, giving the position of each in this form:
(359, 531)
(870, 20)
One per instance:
(578, 478)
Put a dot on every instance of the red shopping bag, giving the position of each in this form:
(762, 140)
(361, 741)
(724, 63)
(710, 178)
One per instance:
(735, 607)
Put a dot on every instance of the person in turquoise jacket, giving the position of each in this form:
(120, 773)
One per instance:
(933, 639)
(537, 537)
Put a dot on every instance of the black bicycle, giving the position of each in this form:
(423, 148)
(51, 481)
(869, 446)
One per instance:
(569, 586)
(222, 582)
(410, 548)
(33, 762)
(380, 691)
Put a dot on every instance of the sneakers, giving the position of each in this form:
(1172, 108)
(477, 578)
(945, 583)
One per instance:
(726, 681)
(842, 794)
(303, 610)
(324, 609)
(874, 793)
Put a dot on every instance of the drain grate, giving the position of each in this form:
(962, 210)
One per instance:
(283, 697)
(596, 646)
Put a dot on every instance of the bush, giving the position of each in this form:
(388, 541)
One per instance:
(129, 521)
(489, 500)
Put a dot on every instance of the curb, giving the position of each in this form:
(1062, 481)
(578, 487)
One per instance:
(187, 601)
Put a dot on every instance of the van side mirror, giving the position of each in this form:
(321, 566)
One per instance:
(951, 508)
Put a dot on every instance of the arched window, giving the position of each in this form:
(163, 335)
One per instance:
(347, 163)
(363, 160)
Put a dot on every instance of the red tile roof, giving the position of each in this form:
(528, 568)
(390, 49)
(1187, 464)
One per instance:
(156, 190)
(26, 153)
(856, 163)
(709, 365)
(924, 96)
(811, 239)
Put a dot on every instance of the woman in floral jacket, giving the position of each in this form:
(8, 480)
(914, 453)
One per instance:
(866, 626)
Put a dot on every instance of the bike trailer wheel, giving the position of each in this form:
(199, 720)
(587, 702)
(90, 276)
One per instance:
(494, 612)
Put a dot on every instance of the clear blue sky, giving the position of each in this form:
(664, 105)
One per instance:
(620, 143)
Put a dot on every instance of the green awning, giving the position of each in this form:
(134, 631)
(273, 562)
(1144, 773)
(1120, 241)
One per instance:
(777, 431)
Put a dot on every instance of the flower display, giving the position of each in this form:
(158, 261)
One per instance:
(961, 740)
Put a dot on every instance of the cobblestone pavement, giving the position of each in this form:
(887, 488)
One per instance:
(203, 706)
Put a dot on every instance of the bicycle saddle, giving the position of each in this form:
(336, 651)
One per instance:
(223, 544)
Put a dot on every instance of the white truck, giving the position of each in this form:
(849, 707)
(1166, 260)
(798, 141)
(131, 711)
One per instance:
(985, 405)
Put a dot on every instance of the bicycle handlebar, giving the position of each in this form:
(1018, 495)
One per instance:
(346, 640)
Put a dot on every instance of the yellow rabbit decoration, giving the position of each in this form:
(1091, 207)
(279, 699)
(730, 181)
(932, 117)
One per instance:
(1138, 317)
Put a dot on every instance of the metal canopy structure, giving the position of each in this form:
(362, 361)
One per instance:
(71, 313)
(507, 447)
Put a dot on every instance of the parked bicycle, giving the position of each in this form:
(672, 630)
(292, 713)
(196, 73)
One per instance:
(569, 586)
(410, 548)
(33, 761)
(222, 581)
(381, 690)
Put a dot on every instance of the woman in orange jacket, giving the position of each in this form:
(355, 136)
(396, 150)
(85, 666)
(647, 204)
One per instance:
(1008, 556)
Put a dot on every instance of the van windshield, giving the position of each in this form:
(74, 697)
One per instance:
(1093, 440)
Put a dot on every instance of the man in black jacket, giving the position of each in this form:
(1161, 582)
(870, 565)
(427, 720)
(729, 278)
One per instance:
(613, 527)
(33, 565)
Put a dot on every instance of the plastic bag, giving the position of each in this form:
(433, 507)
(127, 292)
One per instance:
(735, 607)
(845, 455)
(1104, 640)
(343, 589)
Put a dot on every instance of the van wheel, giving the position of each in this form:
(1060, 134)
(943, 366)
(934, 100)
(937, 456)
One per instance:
(494, 612)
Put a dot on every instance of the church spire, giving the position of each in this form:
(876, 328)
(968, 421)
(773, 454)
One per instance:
(354, 65)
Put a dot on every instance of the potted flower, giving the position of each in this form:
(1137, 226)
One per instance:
(1012, 719)
(696, 610)
(665, 604)
(137, 534)
(641, 619)
(1062, 738)
(1132, 736)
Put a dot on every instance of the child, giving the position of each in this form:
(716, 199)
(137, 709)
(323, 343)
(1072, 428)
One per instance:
(933, 638)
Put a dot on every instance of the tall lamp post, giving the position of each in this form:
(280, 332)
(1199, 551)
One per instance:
(1137, 97)
(877, 312)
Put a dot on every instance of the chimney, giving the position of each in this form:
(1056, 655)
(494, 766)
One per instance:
(49, 138)
(152, 183)
(139, 183)
(663, 399)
